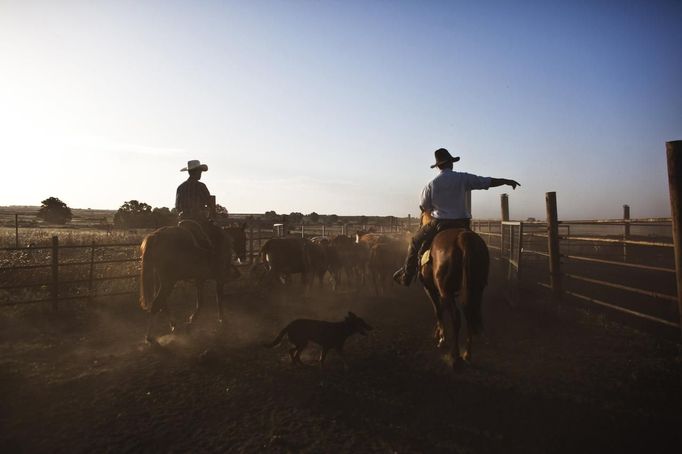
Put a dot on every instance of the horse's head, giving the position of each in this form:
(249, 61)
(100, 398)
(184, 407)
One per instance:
(424, 217)
(237, 234)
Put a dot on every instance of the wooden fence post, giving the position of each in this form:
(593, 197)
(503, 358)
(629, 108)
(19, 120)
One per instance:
(55, 273)
(302, 231)
(92, 266)
(553, 245)
(504, 211)
(674, 154)
(324, 231)
(16, 230)
(504, 206)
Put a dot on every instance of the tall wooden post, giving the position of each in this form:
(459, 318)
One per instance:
(302, 231)
(324, 230)
(504, 211)
(55, 273)
(16, 230)
(553, 245)
(504, 206)
(674, 154)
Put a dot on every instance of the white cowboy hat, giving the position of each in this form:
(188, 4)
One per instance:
(194, 164)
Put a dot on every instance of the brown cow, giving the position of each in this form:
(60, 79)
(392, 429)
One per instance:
(350, 257)
(384, 256)
(384, 252)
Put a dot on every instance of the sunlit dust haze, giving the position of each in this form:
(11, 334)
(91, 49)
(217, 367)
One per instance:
(337, 107)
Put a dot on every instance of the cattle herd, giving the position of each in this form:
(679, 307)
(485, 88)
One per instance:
(369, 259)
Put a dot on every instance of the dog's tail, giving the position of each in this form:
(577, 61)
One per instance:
(278, 339)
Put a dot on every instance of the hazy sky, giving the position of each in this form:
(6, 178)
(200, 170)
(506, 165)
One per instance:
(337, 107)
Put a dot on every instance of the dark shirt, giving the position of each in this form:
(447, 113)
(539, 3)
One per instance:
(192, 199)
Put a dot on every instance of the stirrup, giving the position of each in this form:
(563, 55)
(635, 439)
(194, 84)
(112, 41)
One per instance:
(402, 278)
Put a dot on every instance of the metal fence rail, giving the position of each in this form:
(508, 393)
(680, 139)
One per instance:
(583, 262)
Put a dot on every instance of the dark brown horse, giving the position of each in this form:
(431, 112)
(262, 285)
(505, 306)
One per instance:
(454, 280)
(170, 254)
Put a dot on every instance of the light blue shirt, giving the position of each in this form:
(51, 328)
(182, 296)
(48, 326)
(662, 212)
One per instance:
(445, 195)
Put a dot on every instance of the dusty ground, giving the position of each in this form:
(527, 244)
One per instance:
(539, 382)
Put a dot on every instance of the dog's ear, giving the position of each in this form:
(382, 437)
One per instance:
(352, 315)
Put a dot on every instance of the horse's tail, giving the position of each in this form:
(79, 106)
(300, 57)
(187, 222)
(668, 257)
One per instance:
(278, 339)
(475, 263)
(147, 273)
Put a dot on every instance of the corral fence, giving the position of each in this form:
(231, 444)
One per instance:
(625, 265)
(57, 273)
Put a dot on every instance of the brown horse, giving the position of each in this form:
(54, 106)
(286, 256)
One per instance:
(456, 273)
(170, 254)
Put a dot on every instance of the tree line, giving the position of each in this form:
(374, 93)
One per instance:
(136, 214)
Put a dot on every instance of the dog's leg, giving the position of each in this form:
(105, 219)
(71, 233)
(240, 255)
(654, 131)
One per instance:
(291, 354)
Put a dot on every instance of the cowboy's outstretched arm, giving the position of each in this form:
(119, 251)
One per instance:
(494, 182)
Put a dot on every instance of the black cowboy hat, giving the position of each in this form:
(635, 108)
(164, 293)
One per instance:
(443, 156)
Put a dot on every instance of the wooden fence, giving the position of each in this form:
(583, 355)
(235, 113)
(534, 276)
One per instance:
(58, 272)
(625, 265)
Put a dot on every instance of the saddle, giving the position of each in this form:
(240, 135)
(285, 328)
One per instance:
(441, 226)
(199, 235)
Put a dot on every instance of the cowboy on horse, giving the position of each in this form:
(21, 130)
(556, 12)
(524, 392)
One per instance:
(445, 198)
(194, 205)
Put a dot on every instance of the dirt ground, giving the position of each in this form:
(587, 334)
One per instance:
(539, 381)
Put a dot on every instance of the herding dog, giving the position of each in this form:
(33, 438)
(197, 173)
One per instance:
(328, 335)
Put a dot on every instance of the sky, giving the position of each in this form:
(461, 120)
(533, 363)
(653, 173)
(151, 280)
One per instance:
(338, 106)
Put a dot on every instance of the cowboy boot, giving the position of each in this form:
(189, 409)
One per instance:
(406, 273)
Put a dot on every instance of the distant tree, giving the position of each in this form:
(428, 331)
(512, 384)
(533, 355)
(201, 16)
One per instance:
(363, 220)
(333, 218)
(295, 218)
(314, 217)
(221, 213)
(163, 216)
(271, 215)
(54, 211)
(134, 214)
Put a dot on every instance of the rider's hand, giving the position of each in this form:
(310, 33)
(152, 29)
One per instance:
(513, 183)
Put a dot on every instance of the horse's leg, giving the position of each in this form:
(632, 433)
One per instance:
(158, 303)
(439, 331)
(200, 298)
(219, 286)
(451, 307)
